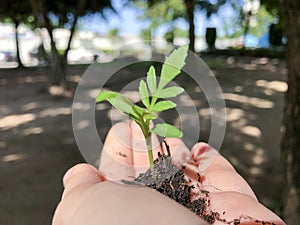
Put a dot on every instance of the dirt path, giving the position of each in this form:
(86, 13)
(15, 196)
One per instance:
(37, 144)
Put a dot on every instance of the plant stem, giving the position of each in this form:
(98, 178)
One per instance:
(147, 134)
(150, 154)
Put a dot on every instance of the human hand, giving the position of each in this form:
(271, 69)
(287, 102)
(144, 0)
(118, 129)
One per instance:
(230, 194)
(89, 199)
(86, 200)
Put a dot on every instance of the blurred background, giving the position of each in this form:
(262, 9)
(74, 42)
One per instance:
(252, 46)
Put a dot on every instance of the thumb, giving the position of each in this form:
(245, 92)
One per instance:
(81, 175)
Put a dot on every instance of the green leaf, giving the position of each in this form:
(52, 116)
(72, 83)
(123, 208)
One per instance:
(163, 105)
(144, 93)
(170, 92)
(172, 66)
(151, 80)
(166, 130)
(136, 113)
(119, 101)
(122, 103)
(104, 95)
(150, 116)
(139, 110)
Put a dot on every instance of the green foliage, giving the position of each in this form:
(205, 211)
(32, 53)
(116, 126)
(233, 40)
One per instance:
(172, 66)
(261, 21)
(273, 7)
(160, 12)
(142, 116)
(119, 101)
(144, 93)
(17, 11)
(178, 32)
(168, 12)
(169, 92)
(256, 22)
(114, 32)
(61, 14)
(146, 34)
(164, 129)
(163, 105)
(151, 80)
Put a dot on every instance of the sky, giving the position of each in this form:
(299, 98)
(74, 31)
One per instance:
(125, 20)
(128, 24)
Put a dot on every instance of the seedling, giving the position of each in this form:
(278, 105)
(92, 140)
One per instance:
(154, 102)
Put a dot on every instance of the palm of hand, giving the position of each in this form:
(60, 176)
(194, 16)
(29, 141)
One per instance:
(89, 198)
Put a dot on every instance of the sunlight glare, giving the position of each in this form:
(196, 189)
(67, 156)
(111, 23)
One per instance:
(12, 121)
(251, 131)
(255, 170)
(52, 112)
(83, 124)
(234, 114)
(256, 102)
(258, 159)
(205, 113)
(30, 106)
(13, 157)
(275, 85)
(32, 130)
(249, 146)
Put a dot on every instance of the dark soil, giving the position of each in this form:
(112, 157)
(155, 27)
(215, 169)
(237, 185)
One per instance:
(171, 181)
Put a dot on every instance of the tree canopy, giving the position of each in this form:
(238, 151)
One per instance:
(167, 12)
(64, 14)
(16, 12)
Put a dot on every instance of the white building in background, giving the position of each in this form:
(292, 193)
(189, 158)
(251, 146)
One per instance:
(86, 46)
(28, 40)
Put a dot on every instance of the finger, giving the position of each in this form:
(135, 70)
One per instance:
(217, 174)
(78, 178)
(116, 161)
(118, 143)
(139, 147)
(80, 175)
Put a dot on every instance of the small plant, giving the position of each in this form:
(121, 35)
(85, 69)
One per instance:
(154, 102)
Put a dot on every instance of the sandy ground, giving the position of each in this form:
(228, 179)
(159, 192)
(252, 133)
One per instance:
(37, 144)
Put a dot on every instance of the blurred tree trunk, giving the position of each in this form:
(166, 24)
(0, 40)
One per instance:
(59, 69)
(59, 61)
(291, 120)
(246, 19)
(190, 6)
(19, 61)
